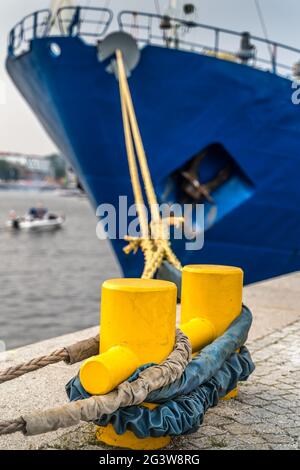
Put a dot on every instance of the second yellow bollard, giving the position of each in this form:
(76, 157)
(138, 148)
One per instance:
(211, 299)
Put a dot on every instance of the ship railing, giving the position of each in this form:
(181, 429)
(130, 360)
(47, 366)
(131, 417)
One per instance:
(92, 24)
(87, 22)
(31, 26)
(181, 34)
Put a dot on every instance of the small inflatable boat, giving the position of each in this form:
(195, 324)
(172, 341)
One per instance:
(47, 223)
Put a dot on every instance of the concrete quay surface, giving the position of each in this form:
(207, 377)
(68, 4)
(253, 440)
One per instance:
(265, 414)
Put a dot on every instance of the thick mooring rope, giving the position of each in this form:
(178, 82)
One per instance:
(154, 243)
(126, 394)
(70, 354)
(10, 427)
(35, 364)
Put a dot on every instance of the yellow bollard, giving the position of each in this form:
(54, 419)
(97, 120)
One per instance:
(140, 314)
(212, 295)
(138, 318)
(211, 299)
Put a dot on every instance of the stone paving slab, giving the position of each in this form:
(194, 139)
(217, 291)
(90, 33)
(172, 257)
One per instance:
(266, 414)
(275, 303)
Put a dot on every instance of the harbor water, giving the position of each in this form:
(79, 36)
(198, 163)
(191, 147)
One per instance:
(50, 282)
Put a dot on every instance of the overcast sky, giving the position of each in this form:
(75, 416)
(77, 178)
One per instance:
(19, 129)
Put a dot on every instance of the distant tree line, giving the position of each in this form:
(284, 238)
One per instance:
(58, 165)
(9, 171)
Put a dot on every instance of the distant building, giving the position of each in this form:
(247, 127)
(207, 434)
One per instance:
(21, 167)
(14, 166)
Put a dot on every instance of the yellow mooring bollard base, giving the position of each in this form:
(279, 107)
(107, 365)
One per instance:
(128, 440)
(108, 436)
(233, 394)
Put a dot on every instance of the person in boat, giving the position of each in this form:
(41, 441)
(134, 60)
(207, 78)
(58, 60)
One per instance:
(38, 212)
(15, 220)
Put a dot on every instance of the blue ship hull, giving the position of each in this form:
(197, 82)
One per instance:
(185, 102)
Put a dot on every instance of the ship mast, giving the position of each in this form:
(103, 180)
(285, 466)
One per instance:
(173, 4)
(172, 10)
(55, 6)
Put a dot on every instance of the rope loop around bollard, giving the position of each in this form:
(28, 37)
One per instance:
(211, 375)
(181, 396)
(126, 393)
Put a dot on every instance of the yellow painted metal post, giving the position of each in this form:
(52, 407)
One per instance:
(211, 299)
(138, 318)
(139, 314)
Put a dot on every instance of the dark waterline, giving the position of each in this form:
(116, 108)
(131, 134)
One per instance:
(50, 282)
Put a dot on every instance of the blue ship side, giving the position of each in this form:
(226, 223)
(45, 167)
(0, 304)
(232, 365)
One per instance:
(184, 102)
